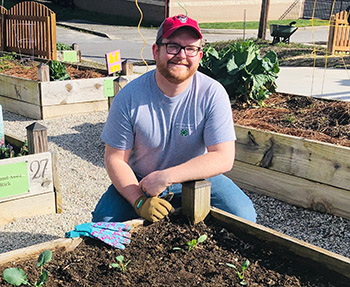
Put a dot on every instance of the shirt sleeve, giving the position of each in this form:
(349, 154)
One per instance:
(219, 125)
(118, 129)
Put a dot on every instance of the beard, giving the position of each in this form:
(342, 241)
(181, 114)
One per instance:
(176, 74)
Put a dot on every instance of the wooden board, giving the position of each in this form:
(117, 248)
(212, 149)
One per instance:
(49, 112)
(72, 91)
(25, 253)
(291, 189)
(28, 206)
(319, 256)
(317, 161)
(21, 108)
(21, 89)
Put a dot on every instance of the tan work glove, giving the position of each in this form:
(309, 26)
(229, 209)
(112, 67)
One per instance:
(152, 208)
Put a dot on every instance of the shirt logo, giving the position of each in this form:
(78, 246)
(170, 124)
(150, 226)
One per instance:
(184, 132)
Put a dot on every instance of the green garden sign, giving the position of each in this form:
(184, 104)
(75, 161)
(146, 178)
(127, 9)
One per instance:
(13, 179)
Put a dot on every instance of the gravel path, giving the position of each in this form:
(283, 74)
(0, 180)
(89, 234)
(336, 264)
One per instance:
(76, 142)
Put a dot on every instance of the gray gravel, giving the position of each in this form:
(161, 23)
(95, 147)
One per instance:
(76, 142)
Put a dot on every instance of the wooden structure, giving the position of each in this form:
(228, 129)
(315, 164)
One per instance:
(254, 233)
(339, 33)
(51, 99)
(29, 28)
(43, 195)
(299, 171)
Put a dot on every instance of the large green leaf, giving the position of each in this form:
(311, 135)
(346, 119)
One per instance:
(15, 276)
(44, 257)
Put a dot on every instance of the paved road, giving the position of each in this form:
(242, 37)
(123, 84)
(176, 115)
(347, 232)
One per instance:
(129, 40)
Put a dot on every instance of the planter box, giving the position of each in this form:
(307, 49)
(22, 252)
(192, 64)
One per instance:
(303, 172)
(314, 256)
(28, 185)
(44, 100)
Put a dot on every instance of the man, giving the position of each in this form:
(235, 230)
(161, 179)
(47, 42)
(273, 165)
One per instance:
(170, 125)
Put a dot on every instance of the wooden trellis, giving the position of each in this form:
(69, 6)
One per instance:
(339, 33)
(29, 28)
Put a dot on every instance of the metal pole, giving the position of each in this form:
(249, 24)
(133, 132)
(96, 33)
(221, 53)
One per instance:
(244, 20)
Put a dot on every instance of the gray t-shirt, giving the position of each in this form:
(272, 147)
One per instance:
(166, 131)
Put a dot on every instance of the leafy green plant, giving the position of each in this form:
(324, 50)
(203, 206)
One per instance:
(193, 243)
(16, 276)
(63, 47)
(240, 274)
(245, 74)
(58, 71)
(121, 265)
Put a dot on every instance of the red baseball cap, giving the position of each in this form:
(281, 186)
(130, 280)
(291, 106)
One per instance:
(171, 24)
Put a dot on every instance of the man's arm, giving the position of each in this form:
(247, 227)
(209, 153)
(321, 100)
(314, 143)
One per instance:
(121, 174)
(219, 159)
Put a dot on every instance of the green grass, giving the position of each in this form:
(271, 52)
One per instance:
(255, 24)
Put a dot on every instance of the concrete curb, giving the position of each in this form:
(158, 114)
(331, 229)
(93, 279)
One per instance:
(101, 34)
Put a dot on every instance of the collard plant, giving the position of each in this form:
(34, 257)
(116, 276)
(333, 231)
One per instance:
(193, 243)
(58, 71)
(245, 74)
(17, 277)
(121, 265)
(240, 274)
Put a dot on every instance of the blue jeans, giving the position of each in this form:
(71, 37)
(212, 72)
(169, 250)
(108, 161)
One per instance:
(225, 195)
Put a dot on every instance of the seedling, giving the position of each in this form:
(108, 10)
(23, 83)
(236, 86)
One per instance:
(193, 243)
(240, 274)
(17, 276)
(121, 265)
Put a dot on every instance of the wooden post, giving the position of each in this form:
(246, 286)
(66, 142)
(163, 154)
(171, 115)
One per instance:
(43, 73)
(37, 138)
(265, 6)
(127, 68)
(119, 83)
(196, 200)
(2, 131)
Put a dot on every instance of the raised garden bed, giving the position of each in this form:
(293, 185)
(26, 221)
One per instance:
(307, 166)
(28, 184)
(87, 91)
(275, 259)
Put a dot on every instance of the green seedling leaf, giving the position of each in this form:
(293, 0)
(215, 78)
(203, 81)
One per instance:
(15, 276)
(202, 238)
(44, 257)
(121, 265)
(231, 265)
(245, 265)
(42, 279)
(120, 258)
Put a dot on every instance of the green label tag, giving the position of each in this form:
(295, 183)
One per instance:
(13, 179)
(108, 88)
(70, 56)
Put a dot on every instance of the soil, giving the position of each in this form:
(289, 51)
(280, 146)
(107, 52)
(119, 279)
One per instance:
(28, 70)
(154, 262)
(311, 118)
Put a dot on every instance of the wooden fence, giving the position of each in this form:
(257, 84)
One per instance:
(29, 28)
(339, 33)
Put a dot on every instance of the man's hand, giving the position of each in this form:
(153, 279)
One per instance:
(154, 183)
(153, 208)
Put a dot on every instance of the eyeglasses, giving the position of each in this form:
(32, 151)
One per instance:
(174, 49)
